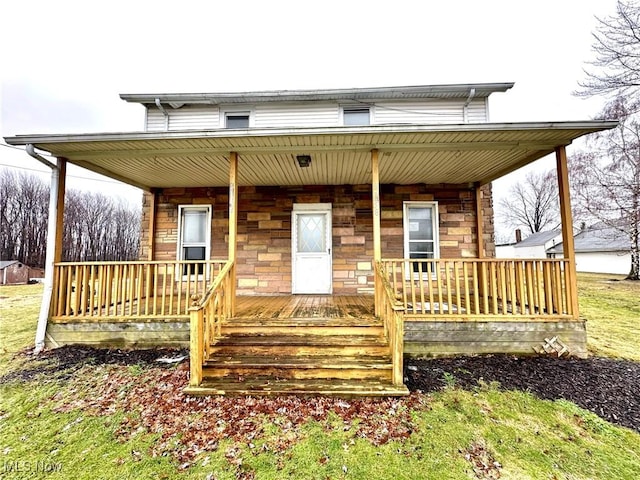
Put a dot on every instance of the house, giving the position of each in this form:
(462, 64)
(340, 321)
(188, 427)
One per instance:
(534, 246)
(599, 249)
(306, 241)
(13, 272)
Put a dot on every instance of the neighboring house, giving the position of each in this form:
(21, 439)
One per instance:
(305, 241)
(13, 272)
(534, 246)
(599, 249)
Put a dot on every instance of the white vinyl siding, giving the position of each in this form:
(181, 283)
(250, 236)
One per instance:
(325, 114)
(426, 112)
(297, 115)
(478, 111)
(186, 118)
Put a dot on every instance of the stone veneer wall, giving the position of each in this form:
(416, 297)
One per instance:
(264, 228)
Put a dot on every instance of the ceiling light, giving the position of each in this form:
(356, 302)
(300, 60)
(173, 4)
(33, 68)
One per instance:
(303, 160)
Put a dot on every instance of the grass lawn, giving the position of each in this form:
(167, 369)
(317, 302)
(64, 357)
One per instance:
(96, 422)
(611, 306)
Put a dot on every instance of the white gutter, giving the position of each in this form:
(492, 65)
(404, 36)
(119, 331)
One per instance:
(52, 224)
(164, 112)
(465, 109)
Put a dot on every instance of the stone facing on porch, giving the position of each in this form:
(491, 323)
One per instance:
(264, 228)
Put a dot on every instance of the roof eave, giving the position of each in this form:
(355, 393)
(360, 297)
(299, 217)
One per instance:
(588, 126)
(377, 93)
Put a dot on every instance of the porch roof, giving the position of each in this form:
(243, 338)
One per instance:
(432, 154)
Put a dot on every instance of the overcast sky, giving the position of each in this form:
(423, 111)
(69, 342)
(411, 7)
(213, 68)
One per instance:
(64, 62)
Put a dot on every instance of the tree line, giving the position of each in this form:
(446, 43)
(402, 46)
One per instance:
(97, 227)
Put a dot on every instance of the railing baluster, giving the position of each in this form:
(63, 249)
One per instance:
(439, 284)
(467, 299)
(421, 283)
(430, 280)
(476, 292)
(557, 282)
(447, 282)
(412, 284)
(529, 286)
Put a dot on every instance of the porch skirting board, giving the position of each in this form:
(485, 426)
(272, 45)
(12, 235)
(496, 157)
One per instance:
(144, 334)
(422, 338)
(434, 338)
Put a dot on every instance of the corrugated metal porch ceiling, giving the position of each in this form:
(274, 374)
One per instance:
(408, 153)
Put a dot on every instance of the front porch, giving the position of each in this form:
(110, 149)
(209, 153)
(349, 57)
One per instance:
(322, 344)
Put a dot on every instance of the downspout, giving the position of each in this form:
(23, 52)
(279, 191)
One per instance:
(51, 244)
(465, 109)
(164, 112)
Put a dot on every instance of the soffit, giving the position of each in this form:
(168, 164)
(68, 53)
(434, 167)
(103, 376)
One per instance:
(408, 154)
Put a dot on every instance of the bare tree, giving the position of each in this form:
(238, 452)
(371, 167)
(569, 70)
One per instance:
(23, 207)
(96, 226)
(615, 71)
(606, 180)
(532, 203)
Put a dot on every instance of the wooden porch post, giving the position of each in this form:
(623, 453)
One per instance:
(152, 225)
(567, 228)
(59, 285)
(479, 221)
(480, 228)
(377, 250)
(62, 181)
(233, 228)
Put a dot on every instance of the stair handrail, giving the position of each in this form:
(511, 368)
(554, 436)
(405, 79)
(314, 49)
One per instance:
(390, 312)
(206, 316)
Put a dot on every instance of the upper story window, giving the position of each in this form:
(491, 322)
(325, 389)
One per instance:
(236, 119)
(356, 116)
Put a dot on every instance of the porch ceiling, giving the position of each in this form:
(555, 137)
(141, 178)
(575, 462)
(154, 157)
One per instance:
(340, 155)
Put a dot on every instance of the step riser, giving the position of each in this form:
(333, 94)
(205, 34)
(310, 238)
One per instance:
(346, 392)
(368, 332)
(306, 350)
(299, 374)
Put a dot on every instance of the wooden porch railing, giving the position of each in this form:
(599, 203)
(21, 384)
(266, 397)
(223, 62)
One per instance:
(391, 314)
(95, 291)
(206, 318)
(481, 288)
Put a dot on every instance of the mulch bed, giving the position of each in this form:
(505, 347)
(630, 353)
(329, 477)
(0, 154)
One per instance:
(609, 388)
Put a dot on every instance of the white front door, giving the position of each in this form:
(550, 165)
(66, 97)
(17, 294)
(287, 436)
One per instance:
(311, 248)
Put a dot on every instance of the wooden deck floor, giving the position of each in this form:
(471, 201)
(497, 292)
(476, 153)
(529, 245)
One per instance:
(305, 307)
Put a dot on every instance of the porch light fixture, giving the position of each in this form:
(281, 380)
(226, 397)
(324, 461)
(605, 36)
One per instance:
(303, 160)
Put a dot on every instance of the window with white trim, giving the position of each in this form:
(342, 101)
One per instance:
(356, 115)
(421, 233)
(194, 239)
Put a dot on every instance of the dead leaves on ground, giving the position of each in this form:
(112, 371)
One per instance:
(188, 426)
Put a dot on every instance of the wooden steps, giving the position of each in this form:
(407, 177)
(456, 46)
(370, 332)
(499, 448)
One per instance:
(263, 386)
(299, 367)
(301, 356)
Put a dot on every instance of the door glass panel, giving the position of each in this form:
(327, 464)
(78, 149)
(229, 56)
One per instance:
(311, 233)
(194, 226)
(420, 224)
